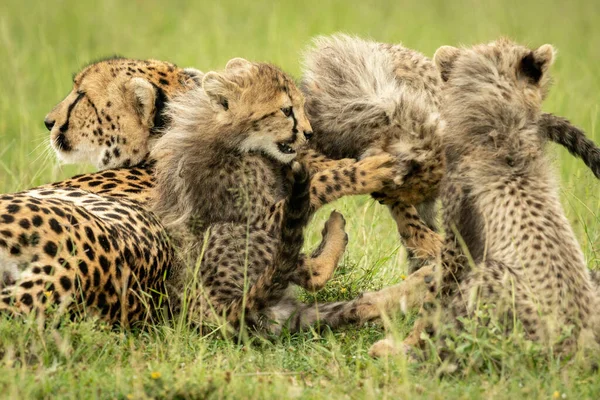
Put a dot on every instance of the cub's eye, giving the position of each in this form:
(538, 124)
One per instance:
(287, 111)
(80, 92)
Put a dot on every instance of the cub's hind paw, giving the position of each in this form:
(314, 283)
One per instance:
(385, 348)
(388, 347)
(324, 260)
(335, 224)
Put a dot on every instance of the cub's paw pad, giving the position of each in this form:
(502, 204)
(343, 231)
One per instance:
(299, 172)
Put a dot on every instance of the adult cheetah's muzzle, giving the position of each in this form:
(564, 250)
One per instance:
(61, 142)
(49, 123)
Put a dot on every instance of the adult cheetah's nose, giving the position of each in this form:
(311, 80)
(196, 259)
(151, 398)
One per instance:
(49, 123)
(308, 134)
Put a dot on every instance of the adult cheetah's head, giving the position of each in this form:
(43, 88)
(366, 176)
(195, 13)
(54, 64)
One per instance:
(114, 111)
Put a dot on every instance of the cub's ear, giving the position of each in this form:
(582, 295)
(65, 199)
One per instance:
(545, 54)
(193, 75)
(535, 64)
(444, 58)
(142, 95)
(219, 89)
(238, 63)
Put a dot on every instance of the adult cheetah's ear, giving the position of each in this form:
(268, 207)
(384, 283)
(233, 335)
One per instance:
(193, 75)
(535, 64)
(219, 89)
(444, 58)
(238, 63)
(142, 94)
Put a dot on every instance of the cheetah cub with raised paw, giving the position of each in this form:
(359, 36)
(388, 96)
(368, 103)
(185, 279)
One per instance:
(232, 196)
(508, 242)
(366, 98)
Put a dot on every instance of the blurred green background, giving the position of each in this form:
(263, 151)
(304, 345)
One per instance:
(42, 43)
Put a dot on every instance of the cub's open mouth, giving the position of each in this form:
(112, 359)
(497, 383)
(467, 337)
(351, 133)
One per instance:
(285, 148)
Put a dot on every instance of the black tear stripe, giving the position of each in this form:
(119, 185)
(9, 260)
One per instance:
(295, 127)
(64, 127)
(160, 119)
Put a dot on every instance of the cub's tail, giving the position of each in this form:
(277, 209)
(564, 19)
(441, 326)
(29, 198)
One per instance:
(561, 131)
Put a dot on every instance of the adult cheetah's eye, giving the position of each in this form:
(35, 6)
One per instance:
(287, 111)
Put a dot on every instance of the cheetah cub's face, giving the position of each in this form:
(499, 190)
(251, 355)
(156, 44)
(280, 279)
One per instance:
(262, 106)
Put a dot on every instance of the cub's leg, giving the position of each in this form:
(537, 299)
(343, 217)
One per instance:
(405, 296)
(316, 161)
(246, 270)
(418, 236)
(447, 279)
(333, 179)
(371, 174)
(423, 283)
(315, 271)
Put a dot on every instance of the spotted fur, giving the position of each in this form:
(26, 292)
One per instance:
(366, 98)
(76, 250)
(113, 114)
(88, 241)
(508, 243)
(224, 192)
(137, 93)
(561, 131)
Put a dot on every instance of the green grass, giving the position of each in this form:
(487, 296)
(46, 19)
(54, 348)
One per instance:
(43, 42)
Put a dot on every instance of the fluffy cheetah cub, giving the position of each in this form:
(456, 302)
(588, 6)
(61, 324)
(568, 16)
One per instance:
(367, 98)
(231, 194)
(500, 198)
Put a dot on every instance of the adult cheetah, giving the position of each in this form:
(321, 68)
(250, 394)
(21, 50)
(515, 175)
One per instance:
(230, 193)
(508, 242)
(114, 111)
(89, 238)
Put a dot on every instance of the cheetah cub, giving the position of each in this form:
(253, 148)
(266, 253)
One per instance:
(366, 98)
(508, 241)
(233, 198)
